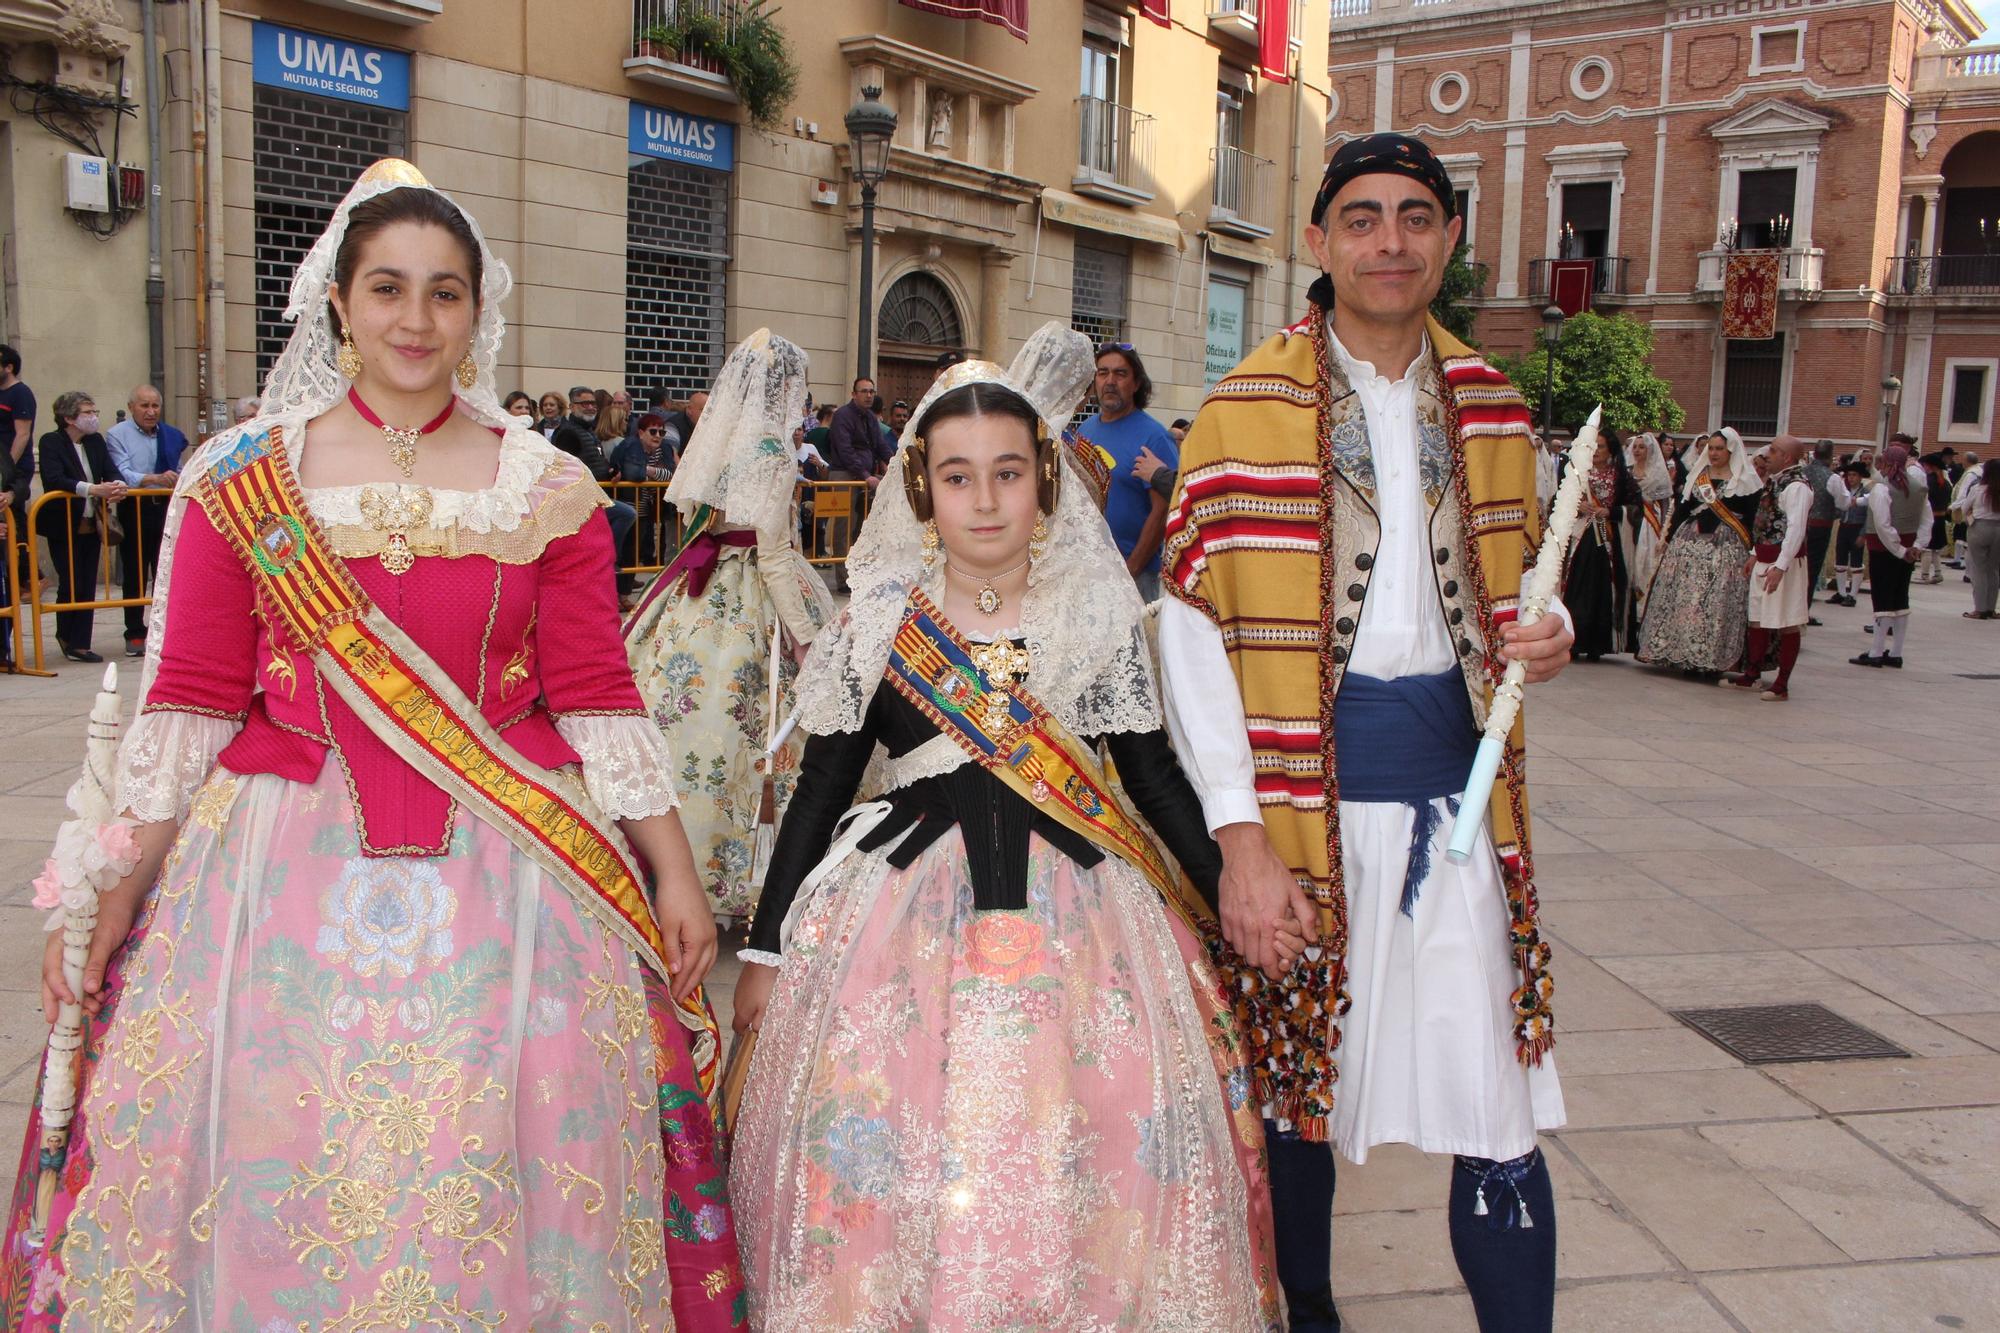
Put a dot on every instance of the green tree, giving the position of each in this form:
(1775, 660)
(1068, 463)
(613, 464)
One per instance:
(1462, 282)
(1599, 360)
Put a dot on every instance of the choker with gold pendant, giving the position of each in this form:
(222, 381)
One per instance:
(402, 439)
(987, 599)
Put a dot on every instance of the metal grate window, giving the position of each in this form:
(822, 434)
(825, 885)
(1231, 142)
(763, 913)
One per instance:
(1098, 281)
(1753, 376)
(307, 152)
(677, 245)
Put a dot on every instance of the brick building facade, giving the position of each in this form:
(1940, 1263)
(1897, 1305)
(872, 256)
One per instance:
(1621, 155)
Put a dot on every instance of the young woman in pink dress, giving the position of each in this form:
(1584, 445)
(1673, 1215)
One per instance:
(395, 1038)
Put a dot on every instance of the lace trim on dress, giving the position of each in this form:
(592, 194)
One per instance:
(627, 767)
(560, 513)
(166, 757)
(525, 458)
(935, 757)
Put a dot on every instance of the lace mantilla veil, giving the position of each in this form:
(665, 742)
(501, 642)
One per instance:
(741, 460)
(1082, 617)
(1743, 478)
(304, 383)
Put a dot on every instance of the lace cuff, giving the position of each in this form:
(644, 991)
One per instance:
(166, 757)
(627, 767)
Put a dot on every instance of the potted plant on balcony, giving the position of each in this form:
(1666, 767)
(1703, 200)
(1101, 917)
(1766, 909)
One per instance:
(750, 48)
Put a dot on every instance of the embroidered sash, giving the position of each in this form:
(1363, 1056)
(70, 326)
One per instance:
(1707, 492)
(1012, 736)
(253, 498)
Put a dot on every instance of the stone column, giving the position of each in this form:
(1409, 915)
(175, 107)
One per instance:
(995, 267)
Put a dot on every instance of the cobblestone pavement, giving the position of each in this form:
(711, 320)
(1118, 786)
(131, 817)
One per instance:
(1695, 846)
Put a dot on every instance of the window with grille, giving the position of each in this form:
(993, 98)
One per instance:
(307, 152)
(677, 246)
(1753, 376)
(1098, 280)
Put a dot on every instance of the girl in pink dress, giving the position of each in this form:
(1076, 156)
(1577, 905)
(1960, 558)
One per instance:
(394, 1039)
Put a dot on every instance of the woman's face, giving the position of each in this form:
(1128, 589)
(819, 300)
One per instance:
(410, 307)
(552, 405)
(1602, 458)
(981, 471)
(85, 420)
(518, 405)
(1718, 452)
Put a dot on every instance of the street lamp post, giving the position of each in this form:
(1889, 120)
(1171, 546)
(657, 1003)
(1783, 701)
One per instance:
(871, 127)
(1892, 389)
(1552, 332)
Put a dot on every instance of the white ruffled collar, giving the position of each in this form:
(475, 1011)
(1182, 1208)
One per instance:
(524, 457)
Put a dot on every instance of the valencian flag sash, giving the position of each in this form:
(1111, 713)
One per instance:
(1012, 736)
(253, 498)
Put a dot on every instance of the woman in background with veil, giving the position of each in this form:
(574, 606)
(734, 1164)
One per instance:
(395, 1038)
(997, 1083)
(708, 643)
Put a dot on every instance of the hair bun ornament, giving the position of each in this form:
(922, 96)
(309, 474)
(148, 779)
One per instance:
(394, 171)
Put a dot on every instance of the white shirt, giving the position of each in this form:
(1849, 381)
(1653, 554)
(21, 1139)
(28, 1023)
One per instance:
(1796, 502)
(1885, 531)
(1402, 630)
(1966, 482)
(1977, 502)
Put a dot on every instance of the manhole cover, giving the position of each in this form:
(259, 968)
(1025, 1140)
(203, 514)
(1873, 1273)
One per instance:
(1763, 1034)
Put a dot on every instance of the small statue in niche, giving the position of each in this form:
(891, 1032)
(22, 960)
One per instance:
(940, 136)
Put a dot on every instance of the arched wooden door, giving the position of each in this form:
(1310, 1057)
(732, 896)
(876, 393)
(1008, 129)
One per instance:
(919, 320)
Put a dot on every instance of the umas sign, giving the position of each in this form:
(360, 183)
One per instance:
(695, 140)
(305, 62)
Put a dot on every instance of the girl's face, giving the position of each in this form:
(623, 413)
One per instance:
(410, 307)
(981, 471)
(552, 405)
(1718, 452)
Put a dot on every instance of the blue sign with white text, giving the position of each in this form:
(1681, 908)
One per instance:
(678, 137)
(306, 62)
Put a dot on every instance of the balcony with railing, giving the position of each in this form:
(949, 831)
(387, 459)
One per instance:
(1607, 277)
(1801, 269)
(1239, 199)
(669, 45)
(1114, 156)
(1234, 19)
(1944, 277)
(1968, 69)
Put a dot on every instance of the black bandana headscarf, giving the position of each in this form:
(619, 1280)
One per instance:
(1369, 156)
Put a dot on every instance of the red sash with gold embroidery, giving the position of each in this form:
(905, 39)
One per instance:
(253, 499)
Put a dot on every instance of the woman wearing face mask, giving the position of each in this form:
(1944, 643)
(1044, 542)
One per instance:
(76, 461)
(995, 1084)
(382, 1027)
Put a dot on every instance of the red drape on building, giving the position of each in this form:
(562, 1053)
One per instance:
(1570, 284)
(1274, 40)
(1156, 10)
(1009, 14)
(1750, 296)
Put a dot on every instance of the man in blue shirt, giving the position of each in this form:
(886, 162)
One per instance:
(147, 453)
(1121, 428)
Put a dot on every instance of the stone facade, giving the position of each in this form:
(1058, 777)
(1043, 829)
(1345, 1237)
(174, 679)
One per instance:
(1658, 127)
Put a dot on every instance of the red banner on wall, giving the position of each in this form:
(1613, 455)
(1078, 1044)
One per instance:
(1274, 40)
(1156, 10)
(1009, 14)
(1750, 296)
(1571, 282)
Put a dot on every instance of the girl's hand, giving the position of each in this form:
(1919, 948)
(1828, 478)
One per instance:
(753, 992)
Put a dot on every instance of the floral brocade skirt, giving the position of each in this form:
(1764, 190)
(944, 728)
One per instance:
(703, 667)
(1696, 616)
(1002, 1120)
(337, 1092)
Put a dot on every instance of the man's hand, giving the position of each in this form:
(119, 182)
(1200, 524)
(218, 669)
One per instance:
(1544, 646)
(1146, 465)
(1266, 917)
(1772, 578)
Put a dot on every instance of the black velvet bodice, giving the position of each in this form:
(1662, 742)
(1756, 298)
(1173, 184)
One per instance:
(994, 820)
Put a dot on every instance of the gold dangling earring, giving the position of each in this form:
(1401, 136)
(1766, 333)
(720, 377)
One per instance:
(1038, 540)
(931, 544)
(468, 371)
(348, 361)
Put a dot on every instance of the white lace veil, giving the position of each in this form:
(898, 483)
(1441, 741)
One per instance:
(304, 381)
(1656, 484)
(741, 459)
(1082, 617)
(1743, 478)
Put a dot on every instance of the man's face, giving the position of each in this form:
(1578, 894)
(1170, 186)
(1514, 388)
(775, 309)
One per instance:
(696, 403)
(899, 416)
(145, 407)
(620, 398)
(583, 406)
(864, 394)
(1384, 241)
(1115, 385)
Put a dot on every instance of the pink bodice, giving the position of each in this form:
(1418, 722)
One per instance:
(530, 641)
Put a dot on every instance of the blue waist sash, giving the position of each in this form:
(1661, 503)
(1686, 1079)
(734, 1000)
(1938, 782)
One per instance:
(1410, 739)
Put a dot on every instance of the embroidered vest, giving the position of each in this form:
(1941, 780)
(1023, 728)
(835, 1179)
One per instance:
(1769, 527)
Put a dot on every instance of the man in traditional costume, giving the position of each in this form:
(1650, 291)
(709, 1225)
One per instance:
(1777, 597)
(1344, 553)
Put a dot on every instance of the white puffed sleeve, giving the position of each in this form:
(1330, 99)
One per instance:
(627, 768)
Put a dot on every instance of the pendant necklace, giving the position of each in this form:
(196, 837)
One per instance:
(402, 439)
(987, 599)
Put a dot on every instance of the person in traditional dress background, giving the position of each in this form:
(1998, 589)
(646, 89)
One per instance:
(376, 1051)
(1695, 618)
(736, 604)
(1898, 529)
(996, 1084)
(1333, 631)
(1645, 537)
(1847, 488)
(1596, 585)
(1778, 579)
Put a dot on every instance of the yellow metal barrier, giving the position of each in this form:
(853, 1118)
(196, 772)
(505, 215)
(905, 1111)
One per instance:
(70, 550)
(834, 511)
(17, 606)
(656, 532)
